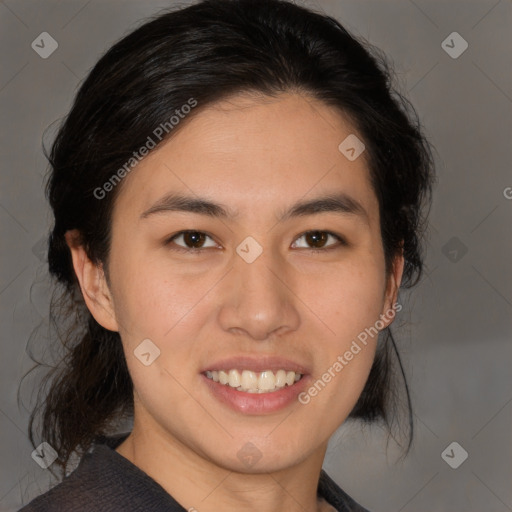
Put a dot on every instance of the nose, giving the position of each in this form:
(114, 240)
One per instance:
(259, 301)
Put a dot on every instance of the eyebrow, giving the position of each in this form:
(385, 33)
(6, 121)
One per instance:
(339, 202)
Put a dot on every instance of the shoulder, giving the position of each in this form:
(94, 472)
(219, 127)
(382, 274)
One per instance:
(75, 492)
(105, 480)
(337, 497)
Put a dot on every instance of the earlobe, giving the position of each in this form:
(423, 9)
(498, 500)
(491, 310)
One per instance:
(93, 284)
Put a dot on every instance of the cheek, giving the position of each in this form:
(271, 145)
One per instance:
(349, 303)
(349, 298)
(151, 300)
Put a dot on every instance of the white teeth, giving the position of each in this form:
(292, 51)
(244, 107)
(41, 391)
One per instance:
(249, 380)
(254, 382)
(234, 379)
(267, 381)
(281, 379)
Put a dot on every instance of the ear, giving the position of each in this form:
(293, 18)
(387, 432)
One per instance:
(392, 287)
(93, 284)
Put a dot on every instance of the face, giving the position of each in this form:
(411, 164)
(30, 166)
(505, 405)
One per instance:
(280, 270)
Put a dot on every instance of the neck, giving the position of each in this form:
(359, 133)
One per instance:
(200, 485)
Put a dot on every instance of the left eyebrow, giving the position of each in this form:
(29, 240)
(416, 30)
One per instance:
(340, 203)
(337, 203)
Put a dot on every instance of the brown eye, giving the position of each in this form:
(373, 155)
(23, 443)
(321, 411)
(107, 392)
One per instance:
(190, 240)
(318, 240)
(194, 239)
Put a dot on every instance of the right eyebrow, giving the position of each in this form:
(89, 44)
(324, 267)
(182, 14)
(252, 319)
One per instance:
(176, 202)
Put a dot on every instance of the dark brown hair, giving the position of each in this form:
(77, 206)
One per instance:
(209, 51)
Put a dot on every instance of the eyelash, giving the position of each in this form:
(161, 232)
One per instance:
(341, 241)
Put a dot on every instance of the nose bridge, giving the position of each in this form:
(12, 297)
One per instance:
(258, 279)
(256, 301)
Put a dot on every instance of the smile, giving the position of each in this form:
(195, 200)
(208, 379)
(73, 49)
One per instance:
(254, 382)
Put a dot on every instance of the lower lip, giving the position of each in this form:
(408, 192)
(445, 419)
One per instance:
(256, 403)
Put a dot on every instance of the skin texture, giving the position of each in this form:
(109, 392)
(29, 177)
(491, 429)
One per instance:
(256, 156)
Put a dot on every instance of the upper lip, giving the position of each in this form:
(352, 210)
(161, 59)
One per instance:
(257, 364)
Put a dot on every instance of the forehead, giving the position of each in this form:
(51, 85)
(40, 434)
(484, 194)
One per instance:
(252, 151)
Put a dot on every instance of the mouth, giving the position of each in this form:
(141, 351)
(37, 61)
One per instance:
(248, 381)
(256, 384)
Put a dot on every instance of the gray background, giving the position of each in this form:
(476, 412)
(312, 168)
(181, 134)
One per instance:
(456, 334)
